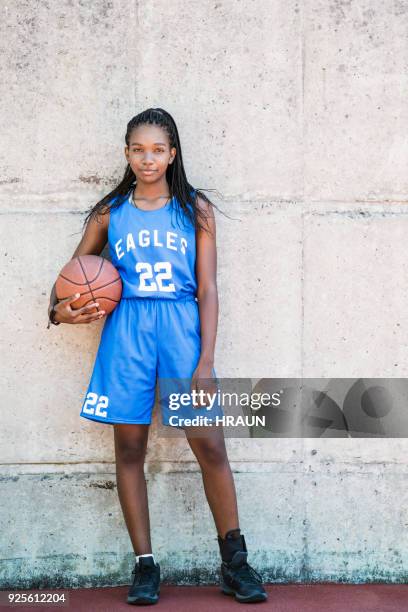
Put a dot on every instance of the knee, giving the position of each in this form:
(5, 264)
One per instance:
(131, 453)
(212, 455)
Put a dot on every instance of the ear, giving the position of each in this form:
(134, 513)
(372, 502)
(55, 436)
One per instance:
(127, 152)
(173, 153)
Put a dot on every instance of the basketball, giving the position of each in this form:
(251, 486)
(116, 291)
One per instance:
(94, 278)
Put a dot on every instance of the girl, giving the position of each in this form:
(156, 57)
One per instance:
(161, 235)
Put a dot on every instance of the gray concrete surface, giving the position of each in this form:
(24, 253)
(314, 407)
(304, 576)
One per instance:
(296, 112)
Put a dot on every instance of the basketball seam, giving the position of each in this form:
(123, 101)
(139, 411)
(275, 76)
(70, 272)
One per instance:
(72, 281)
(99, 271)
(94, 279)
(102, 286)
(103, 297)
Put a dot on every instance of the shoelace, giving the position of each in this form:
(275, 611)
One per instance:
(247, 572)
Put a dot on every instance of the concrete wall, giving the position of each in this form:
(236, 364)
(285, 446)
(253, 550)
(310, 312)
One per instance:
(296, 112)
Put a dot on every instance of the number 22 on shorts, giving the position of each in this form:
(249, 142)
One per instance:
(98, 409)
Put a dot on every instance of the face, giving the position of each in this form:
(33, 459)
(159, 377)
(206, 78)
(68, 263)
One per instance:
(149, 152)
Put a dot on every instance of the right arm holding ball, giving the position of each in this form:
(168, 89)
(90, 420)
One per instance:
(92, 243)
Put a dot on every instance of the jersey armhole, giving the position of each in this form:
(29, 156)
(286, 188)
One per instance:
(108, 232)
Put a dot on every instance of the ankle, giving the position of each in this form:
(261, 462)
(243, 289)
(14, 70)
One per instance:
(232, 542)
(232, 534)
(144, 555)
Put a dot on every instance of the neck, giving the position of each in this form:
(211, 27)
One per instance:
(151, 192)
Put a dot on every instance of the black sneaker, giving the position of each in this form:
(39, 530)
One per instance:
(146, 583)
(241, 580)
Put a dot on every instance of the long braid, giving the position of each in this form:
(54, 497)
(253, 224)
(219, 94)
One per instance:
(175, 174)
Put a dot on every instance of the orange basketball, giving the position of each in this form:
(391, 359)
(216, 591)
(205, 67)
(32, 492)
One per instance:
(94, 278)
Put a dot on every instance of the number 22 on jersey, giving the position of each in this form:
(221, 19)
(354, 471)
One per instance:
(162, 272)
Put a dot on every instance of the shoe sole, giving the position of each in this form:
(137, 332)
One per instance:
(143, 600)
(241, 598)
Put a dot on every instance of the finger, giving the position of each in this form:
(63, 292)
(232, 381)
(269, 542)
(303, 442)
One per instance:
(71, 298)
(88, 318)
(84, 309)
(193, 387)
(91, 315)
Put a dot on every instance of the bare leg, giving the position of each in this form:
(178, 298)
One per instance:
(130, 451)
(218, 481)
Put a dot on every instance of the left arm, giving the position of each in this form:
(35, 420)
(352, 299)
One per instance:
(207, 292)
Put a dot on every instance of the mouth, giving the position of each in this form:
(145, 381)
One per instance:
(148, 171)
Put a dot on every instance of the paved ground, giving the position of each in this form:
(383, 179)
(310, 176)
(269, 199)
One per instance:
(282, 598)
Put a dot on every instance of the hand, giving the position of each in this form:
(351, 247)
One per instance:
(63, 313)
(203, 371)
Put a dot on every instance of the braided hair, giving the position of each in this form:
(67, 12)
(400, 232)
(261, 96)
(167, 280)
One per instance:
(175, 174)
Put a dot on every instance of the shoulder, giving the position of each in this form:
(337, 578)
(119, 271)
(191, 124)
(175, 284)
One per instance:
(102, 212)
(105, 210)
(204, 206)
(101, 215)
(205, 226)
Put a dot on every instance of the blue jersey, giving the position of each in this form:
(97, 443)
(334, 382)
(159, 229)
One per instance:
(154, 333)
(153, 250)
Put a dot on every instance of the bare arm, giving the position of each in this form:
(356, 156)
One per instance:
(92, 243)
(207, 292)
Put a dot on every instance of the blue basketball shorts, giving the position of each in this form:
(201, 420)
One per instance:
(145, 341)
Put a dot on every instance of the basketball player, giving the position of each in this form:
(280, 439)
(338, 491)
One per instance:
(161, 235)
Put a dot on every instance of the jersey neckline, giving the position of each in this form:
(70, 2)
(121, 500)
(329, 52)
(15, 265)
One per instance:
(149, 212)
